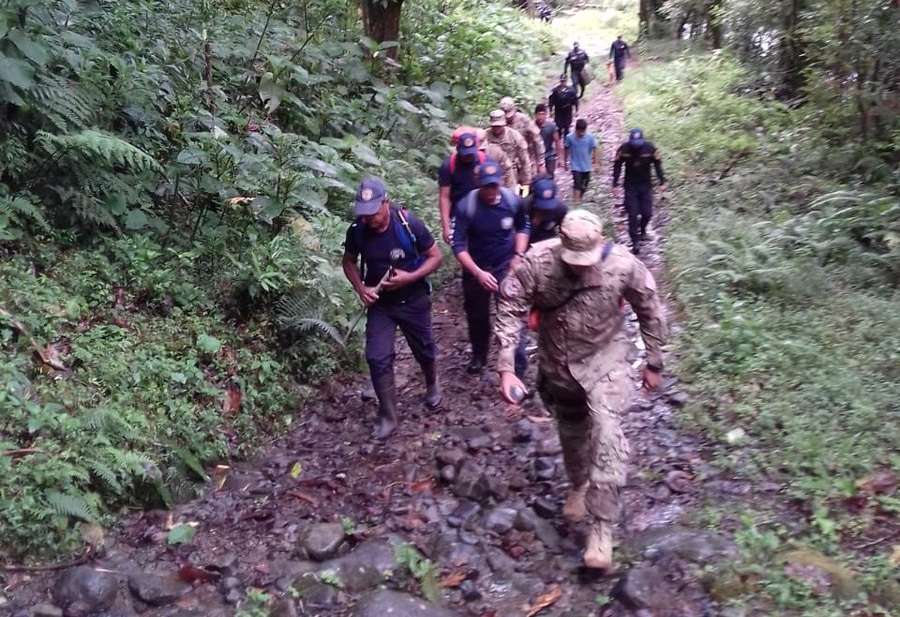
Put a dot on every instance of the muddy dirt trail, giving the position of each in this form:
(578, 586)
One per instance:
(322, 520)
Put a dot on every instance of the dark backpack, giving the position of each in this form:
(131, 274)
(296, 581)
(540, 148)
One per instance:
(402, 232)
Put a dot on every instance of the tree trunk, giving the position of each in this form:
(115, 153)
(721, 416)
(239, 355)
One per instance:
(791, 54)
(650, 19)
(714, 26)
(381, 19)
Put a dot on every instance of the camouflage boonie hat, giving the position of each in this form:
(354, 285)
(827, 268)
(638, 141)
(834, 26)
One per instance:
(498, 118)
(581, 234)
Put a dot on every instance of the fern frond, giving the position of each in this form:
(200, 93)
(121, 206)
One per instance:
(96, 146)
(62, 103)
(67, 504)
(294, 314)
(20, 210)
(106, 474)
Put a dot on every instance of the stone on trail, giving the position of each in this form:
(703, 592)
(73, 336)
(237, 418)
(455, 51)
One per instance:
(156, 590)
(323, 540)
(388, 603)
(471, 482)
(366, 566)
(644, 587)
(316, 593)
(82, 591)
(500, 520)
(693, 545)
(464, 512)
(452, 457)
(46, 610)
(814, 568)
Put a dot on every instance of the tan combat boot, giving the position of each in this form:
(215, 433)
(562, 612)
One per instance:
(574, 509)
(598, 554)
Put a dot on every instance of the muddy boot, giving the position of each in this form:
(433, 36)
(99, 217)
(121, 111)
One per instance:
(433, 394)
(476, 365)
(598, 553)
(387, 406)
(575, 509)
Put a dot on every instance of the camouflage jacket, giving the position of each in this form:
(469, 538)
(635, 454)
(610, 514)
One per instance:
(580, 335)
(496, 154)
(532, 135)
(516, 149)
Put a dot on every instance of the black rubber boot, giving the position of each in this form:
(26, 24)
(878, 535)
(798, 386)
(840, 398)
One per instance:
(433, 394)
(387, 406)
(476, 365)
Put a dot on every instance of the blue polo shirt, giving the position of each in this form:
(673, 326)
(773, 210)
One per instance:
(581, 149)
(489, 234)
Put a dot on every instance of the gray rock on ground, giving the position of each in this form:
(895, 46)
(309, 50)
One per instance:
(156, 590)
(388, 603)
(82, 591)
(323, 540)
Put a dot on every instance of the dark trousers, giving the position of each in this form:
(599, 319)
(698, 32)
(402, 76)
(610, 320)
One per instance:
(639, 206)
(414, 319)
(563, 125)
(620, 68)
(578, 80)
(550, 166)
(477, 305)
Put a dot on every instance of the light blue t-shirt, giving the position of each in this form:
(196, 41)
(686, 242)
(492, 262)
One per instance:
(580, 151)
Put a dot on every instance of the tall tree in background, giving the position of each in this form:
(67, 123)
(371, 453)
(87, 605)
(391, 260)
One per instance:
(381, 19)
(652, 23)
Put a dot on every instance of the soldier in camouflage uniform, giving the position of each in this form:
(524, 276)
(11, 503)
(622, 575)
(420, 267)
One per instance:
(495, 153)
(515, 146)
(529, 130)
(578, 284)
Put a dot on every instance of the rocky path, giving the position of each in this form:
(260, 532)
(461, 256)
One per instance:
(462, 507)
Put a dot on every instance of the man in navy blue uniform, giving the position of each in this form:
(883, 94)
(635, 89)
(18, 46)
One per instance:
(545, 210)
(637, 155)
(490, 237)
(456, 178)
(619, 52)
(397, 254)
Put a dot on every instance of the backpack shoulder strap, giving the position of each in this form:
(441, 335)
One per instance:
(510, 197)
(470, 204)
(402, 216)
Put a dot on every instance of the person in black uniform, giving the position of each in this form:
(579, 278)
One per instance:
(637, 155)
(489, 240)
(563, 103)
(619, 53)
(397, 253)
(577, 59)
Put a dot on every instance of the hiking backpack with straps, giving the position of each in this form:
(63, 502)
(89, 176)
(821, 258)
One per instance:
(404, 234)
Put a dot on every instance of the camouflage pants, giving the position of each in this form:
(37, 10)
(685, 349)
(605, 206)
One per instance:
(594, 446)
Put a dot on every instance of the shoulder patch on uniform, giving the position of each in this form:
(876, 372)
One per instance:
(511, 287)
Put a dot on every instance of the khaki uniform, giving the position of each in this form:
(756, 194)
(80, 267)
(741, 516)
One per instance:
(582, 375)
(516, 149)
(496, 154)
(532, 134)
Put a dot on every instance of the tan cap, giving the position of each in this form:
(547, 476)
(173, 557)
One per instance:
(498, 118)
(581, 234)
(507, 104)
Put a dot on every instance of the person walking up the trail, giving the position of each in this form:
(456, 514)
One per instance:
(637, 155)
(515, 146)
(577, 60)
(563, 105)
(549, 137)
(396, 253)
(581, 150)
(619, 52)
(490, 237)
(576, 285)
(545, 209)
(495, 153)
(528, 129)
(456, 177)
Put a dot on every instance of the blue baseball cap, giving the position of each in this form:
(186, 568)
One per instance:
(636, 137)
(544, 192)
(369, 196)
(489, 172)
(467, 144)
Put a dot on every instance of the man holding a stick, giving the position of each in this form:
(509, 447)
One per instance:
(388, 254)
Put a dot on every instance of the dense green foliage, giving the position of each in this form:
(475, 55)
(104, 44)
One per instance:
(175, 181)
(784, 251)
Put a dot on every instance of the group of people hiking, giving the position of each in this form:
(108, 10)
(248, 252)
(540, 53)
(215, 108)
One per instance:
(541, 267)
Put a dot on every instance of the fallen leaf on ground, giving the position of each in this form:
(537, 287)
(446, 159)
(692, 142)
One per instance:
(895, 556)
(304, 497)
(541, 419)
(678, 481)
(454, 579)
(220, 475)
(192, 574)
(881, 482)
(232, 403)
(545, 600)
(422, 485)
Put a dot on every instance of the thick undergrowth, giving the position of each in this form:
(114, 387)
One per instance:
(175, 183)
(783, 252)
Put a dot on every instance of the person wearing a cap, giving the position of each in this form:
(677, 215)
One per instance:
(528, 129)
(581, 156)
(515, 146)
(563, 103)
(637, 155)
(577, 284)
(397, 253)
(490, 237)
(495, 153)
(550, 137)
(619, 53)
(577, 59)
(456, 177)
(545, 209)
